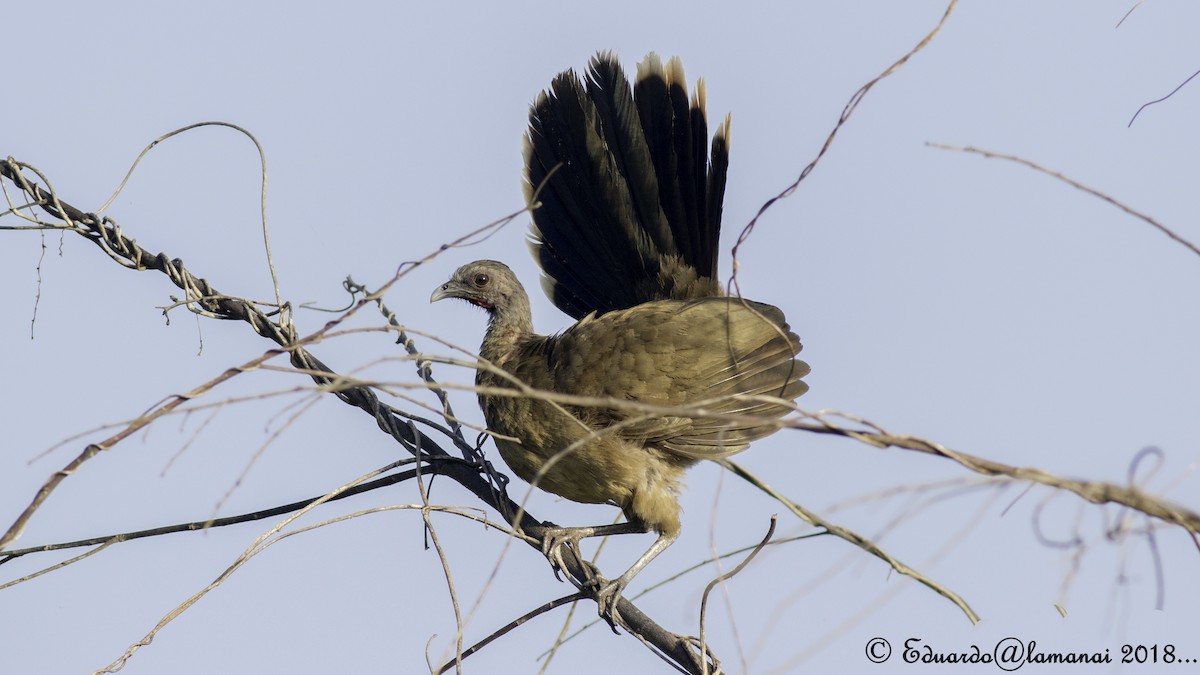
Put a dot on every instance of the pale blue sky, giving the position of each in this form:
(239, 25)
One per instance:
(968, 301)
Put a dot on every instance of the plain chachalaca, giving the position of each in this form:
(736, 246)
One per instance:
(626, 234)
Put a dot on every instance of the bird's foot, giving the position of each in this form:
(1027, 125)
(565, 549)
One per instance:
(557, 539)
(607, 593)
(607, 599)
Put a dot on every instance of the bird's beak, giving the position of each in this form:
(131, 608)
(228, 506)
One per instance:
(450, 289)
(457, 289)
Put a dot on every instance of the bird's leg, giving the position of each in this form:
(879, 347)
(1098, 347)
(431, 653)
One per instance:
(557, 537)
(608, 593)
(608, 596)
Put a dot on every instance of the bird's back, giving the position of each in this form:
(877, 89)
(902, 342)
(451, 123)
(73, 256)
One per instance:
(700, 378)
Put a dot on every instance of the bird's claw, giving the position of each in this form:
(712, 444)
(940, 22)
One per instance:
(607, 593)
(607, 599)
(553, 543)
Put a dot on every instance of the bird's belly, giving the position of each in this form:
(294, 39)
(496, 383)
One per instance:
(588, 473)
(558, 454)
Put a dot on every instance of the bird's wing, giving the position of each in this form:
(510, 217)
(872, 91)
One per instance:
(730, 360)
(629, 208)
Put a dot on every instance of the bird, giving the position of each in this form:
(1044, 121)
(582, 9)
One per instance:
(662, 368)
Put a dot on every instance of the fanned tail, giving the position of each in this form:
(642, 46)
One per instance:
(631, 211)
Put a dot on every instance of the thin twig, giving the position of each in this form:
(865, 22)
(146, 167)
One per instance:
(508, 627)
(260, 544)
(18, 526)
(232, 520)
(852, 537)
(1096, 492)
(1160, 100)
(847, 111)
(1075, 184)
(726, 576)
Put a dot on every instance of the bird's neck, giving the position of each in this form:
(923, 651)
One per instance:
(508, 327)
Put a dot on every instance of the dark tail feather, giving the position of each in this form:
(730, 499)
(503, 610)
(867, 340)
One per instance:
(585, 230)
(718, 168)
(633, 211)
(623, 132)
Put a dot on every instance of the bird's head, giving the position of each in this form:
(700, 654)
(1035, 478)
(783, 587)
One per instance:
(487, 284)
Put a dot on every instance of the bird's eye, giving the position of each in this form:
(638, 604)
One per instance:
(482, 279)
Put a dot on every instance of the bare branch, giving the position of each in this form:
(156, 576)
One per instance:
(204, 299)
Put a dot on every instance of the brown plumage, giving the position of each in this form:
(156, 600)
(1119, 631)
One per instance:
(627, 235)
